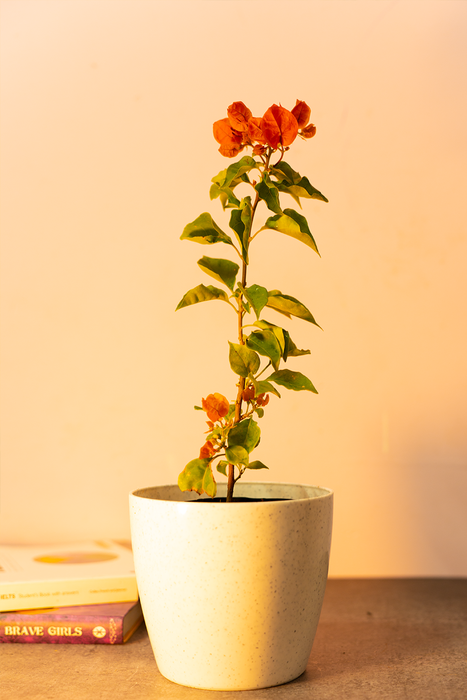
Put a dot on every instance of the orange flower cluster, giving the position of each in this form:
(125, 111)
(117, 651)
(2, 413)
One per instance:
(277, 128)
(216, 406)
(207, 451)
(248, 394)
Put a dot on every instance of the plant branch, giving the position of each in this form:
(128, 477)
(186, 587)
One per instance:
(240, 314)
(264, 369)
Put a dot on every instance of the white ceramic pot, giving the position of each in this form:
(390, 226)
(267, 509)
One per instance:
(232, 592)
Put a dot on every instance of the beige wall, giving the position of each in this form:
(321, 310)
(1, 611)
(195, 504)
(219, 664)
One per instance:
(107, 153)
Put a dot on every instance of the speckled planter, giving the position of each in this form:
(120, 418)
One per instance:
(232, 593)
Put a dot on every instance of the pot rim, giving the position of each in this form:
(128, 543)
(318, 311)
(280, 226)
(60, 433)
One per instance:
(147, 493)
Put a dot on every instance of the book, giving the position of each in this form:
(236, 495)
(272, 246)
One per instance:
(112, 623)
(87, 573)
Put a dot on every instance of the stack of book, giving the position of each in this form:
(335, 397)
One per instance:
(69, 594)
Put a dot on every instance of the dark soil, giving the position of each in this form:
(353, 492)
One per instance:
(238, 499)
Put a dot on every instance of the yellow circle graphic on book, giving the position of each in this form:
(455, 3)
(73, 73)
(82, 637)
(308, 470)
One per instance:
(75, 558)
(99, 632)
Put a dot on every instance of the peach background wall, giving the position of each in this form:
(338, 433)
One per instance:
(107, 153)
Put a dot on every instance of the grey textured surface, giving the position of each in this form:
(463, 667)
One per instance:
(377, 638)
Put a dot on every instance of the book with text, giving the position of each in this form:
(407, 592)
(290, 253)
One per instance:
(88, 573)
(112, 623)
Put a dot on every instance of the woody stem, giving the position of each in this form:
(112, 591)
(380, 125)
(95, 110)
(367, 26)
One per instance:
(241, 384)
(241, 340)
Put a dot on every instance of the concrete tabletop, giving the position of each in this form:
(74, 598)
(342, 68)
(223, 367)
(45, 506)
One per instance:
(377, 638)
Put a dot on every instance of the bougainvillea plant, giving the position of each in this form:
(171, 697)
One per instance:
(261, 346)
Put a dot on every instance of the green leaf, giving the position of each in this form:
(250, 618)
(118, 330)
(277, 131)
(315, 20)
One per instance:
(222, 467)
(302, 189)
(292, 380)
(285, 173)
(235, 173)
(247, 213)
(245, 434)
(281, 334)
(226, 195)
(289, 306)
(241, 167)
(265, 343)
(269, 193)
(205, 230)
(237, 225)
(294, 184)
(222, 270)
(202, 293)
(237, 455)
(257, 465)
(292, 224)
(293, 351)
(264, 387)
(288, 347)
(197, 476)
(242, 360)
(311, 192)
(257, 296)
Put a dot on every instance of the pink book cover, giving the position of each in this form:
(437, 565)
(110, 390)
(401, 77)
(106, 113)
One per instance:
(111, 623)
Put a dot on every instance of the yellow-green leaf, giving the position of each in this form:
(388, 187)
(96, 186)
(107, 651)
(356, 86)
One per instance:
(292, 380)
(292, 224)
(205, 230)
(257, 465)
(257, 296)
(243, 361)
(265, 343)
(237, 455)
(197, 476)
(222, 270)
(202, 293)
(245, 434)
(289, 306)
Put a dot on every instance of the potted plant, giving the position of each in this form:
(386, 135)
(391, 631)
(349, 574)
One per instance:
(232, 576)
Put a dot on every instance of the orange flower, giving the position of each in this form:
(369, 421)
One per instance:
(262, 400)
(216, 406)
(302, 113)
(259, 149)
(254, 130)
(249, 393)
(279, 126)
(238, 115)
(207, 450)
(229, 139)
(308, 132)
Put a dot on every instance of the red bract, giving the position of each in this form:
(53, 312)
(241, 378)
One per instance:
(279, 127)
(262, 400)
(249, 393)
(308, 132)
(229, 139)
(259, 150)
(216, 406)
(254, 130)
(239, 115)
(207, 450)
(302, 113)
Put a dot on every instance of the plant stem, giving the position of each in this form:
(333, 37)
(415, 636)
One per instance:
(240, 314)
(241, 383)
